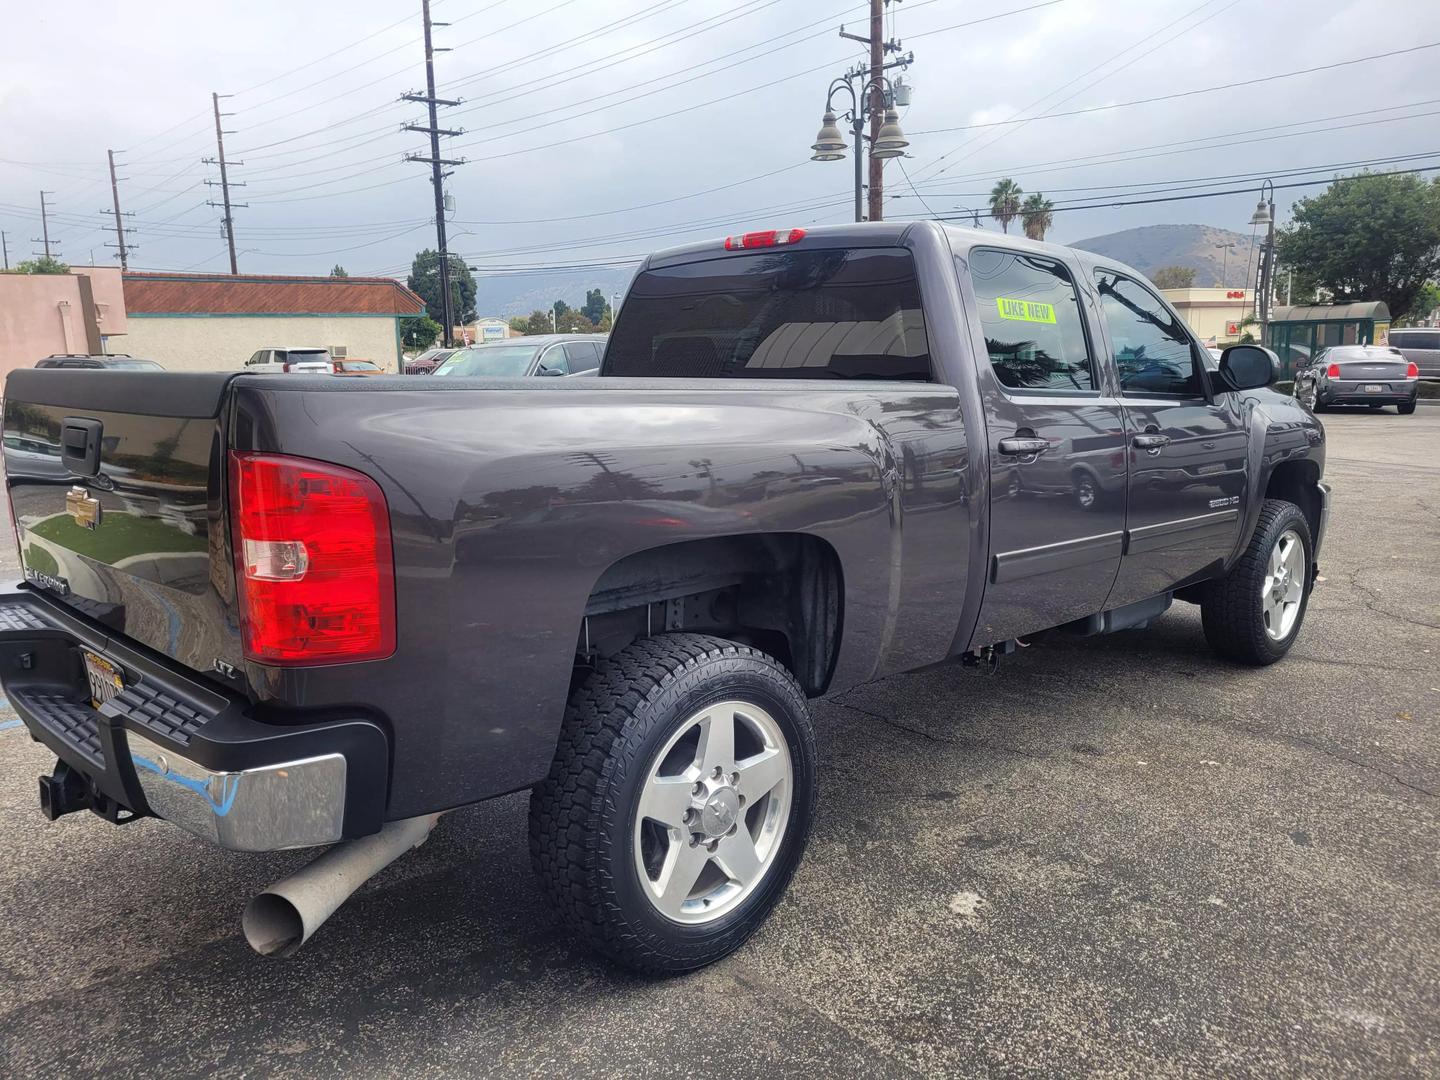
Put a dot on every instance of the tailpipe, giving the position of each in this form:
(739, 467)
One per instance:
(282, 918)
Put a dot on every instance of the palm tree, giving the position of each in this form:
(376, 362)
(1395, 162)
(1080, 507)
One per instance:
(1036, 216)
(1005, 202)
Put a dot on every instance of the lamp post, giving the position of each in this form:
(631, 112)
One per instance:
(889, 142)
(1225, 262)
(1265, 215)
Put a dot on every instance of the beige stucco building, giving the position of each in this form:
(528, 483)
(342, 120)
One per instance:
(215, 322)
(1212, 313)
(43, 314)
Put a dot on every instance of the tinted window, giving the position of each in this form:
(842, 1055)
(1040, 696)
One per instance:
(583, 356)
(553, 359)
(786, 314)
(1415, 339)
(1152, 347)
(133, 365)
(1030, 314)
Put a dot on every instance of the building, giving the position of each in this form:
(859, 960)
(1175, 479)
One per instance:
(489, 328)
(215, 322)
(1297, 333)
(1214, 315)
(42, 314)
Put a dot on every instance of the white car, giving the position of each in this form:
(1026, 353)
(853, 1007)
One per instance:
(292, 361)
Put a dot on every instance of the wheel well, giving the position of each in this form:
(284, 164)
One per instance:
(1296, 482)
(781, 592)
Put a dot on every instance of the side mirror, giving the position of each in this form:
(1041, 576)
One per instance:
(1248, 367)
(543, 370)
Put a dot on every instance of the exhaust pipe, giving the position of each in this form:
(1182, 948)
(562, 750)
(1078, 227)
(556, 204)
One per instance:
(282, 918)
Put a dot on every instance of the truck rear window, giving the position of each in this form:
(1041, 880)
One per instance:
(836, 314)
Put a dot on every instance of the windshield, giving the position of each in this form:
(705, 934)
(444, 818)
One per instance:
(134, 365)
(490, 360)
(307, 356)
(358, 365)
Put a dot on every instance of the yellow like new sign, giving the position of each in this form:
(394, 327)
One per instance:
(1025, 310)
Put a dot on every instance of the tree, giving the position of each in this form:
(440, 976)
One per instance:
(537, 322)
(1173, 277)
(1374, 236)
(595, 306)
(419, 332)
(1036, 216)
(42, 264)
(1427, 302)
(1005, 202)
(424, 281)
(339, 271)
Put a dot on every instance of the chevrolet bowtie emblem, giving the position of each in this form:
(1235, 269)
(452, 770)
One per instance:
(83, 508)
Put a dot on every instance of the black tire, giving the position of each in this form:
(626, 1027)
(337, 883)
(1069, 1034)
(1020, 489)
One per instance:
(583, 815)
(1310, 398)
(1231, 609)
(1407, 408)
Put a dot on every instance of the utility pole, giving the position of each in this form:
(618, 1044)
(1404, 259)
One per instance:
(437, 169)
(44, 224)
(877, 107)
(119, 217)
(225, 185)
(5, 248)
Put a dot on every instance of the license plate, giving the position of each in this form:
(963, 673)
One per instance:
(1373, 388)
(105, 679)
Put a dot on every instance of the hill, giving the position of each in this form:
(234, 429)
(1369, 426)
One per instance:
(523, 293)
(1150, 247)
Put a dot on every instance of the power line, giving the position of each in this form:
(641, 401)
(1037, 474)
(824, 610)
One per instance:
(1184, 93)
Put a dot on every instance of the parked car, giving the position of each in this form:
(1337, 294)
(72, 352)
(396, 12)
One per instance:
(1420, 345)
(1373, 375)
(542, 354)
(99, 361)
(295, 360)
(316, 612)
(427, 361)
(355, 367)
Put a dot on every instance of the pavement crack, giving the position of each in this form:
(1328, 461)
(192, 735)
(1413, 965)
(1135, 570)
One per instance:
(1371, 600)
(928, 736)
(1300, 740)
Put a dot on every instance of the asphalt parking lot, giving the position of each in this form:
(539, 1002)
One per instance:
(1117, 856)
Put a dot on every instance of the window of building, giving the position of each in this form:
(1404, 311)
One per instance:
(1030, 314)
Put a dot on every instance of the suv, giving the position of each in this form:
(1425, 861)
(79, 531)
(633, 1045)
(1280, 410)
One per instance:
(291, 361)
(1421, 346)
(543, 354)
(111, 361)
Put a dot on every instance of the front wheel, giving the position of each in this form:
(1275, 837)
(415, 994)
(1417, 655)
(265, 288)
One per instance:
(1253, 614)
(679, 801)
(1310, 398)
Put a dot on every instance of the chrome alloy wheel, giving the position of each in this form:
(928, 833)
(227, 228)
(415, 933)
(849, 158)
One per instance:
(712, 811)
(1284, 586)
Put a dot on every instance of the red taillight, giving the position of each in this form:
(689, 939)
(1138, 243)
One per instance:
(767, 238)
(1412, 370)
(313, 561)
(1333, 371)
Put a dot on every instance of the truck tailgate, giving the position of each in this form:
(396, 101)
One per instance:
(114, 480)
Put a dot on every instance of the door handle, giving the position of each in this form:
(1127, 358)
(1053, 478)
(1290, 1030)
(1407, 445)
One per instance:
(1151, 443)
(1019, 444)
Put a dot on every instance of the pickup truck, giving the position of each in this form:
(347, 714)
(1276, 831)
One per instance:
(292, 611)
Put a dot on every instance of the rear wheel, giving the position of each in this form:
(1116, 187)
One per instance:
(679, 801)
(1407, 408)
(1253, 614)
(1310, 399)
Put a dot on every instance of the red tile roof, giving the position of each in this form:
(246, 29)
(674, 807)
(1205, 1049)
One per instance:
(251, 294)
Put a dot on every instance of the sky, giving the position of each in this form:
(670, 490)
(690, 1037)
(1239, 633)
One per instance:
(595, 132)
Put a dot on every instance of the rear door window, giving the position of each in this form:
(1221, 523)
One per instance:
(777, 313)
(583, 357)
(1153, 350)
(1030, 314)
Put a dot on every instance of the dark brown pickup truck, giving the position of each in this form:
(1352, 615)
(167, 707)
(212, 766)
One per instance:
(286, 611)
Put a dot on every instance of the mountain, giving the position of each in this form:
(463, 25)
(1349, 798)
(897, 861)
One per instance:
(520, 294)
(1194, 246)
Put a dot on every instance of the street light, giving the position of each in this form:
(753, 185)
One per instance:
(1265, 215)
(890, 140)
(1225, 262)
